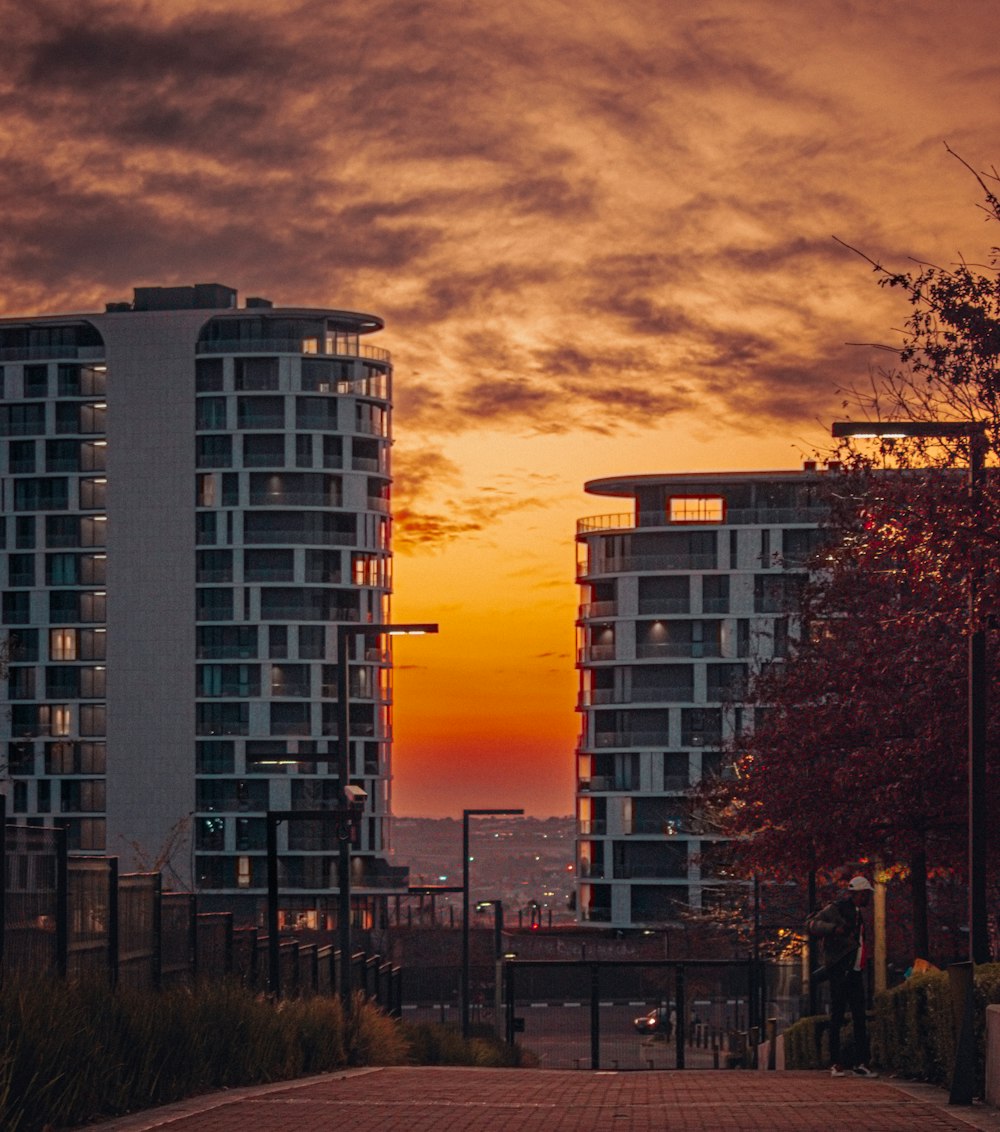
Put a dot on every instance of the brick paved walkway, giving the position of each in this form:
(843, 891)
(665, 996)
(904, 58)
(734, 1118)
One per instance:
(509, 1100)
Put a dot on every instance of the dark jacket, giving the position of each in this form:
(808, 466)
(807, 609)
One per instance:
(838, 926)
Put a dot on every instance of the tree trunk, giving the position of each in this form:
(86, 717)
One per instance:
(918, 895)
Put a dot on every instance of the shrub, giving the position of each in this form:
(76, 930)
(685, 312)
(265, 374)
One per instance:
(71, 1053)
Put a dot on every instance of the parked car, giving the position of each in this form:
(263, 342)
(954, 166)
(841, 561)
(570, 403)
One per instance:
(655, 1022)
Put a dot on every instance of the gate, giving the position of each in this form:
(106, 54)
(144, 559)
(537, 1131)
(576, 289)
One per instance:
(633, 1014)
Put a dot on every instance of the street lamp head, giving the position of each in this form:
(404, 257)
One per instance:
(902, 430)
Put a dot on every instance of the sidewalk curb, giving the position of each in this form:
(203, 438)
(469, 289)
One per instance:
(165, 1115)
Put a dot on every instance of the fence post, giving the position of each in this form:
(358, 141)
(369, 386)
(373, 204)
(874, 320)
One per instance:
(3, 877)
(114, 932)
(62, 902)
(680, 1027)
(508, 987)
(595, 1017)
(158, 931)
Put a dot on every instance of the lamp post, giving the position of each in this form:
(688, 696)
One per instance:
(975, 433)
(466, 814)
(497, 906)
(351, 797)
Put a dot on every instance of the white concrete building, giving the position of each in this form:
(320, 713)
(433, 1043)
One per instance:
(195, 496)
(681, 598)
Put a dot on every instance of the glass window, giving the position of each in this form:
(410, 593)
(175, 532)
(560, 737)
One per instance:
(93, 644)
(23, 420)
(715, 593)
(211, 413)
(41, 494)
(61, 569)
(290, 680)
(318, 414)
(16, 608)
(21, 457)
(260, 412)
(696, 509)
(215, 756)
(24, 532)
(271, 565)
(205, 525)
(312, 642)
(218, 642)
(93, 719)
(215, 605)
(208, 375)
(214, 451)
(21, 570)
(222, 718)
(62, 530)
(36, 381)
(215, 565)
(256, 373)
(264, 451)
(63, 644)
(228, 680)
(333, 452)
(277, 641)
(290, 719)
(323, 566)
(20, 682)
(23, 644)
(304, 450)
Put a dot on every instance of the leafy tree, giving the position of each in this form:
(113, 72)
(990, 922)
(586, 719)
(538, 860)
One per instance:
(859, 745)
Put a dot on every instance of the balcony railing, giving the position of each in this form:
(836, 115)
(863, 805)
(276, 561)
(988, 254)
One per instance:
(596, 652)
(52, 353)
(648, 650)
(735, 517)
(593, 609)
(301, 346)
(631, 739)
(636, 563)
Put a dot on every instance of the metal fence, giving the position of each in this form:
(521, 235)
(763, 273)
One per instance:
(78, 918)
(634, 1014)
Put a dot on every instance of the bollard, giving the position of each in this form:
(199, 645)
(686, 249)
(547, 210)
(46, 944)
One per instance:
(772, 1042)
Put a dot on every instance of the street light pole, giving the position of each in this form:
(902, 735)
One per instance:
(345, 635)
(466, 814)
(975, 433)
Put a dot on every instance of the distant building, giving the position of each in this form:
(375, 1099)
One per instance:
(681, 599)
(196, 496)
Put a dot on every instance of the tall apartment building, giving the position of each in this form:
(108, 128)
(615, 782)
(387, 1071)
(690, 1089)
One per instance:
(681, 599)
(196, 496)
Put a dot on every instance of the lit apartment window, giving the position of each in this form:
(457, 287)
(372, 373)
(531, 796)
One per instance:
(696, 509)
(62, 644)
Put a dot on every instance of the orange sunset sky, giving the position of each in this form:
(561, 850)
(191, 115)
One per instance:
(600, 233)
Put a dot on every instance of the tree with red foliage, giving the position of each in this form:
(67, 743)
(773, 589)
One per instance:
(859, 745)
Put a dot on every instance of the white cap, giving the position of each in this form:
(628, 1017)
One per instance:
(860, 884)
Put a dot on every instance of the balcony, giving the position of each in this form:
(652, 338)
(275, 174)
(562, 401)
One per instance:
(596, 652)
(631, 739)
(637, 563)
(600, 609)
(693, 650)
(735, 517)
(304, 346)
(52, 353)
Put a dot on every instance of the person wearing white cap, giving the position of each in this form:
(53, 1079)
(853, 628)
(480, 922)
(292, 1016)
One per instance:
(841, 928)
